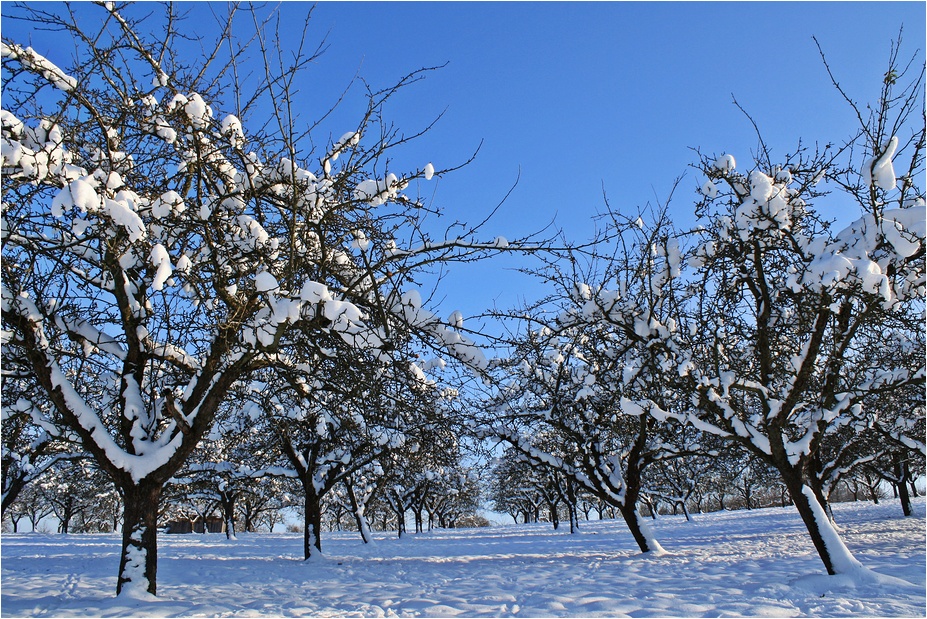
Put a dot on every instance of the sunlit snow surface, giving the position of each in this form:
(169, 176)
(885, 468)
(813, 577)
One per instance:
(757, 563)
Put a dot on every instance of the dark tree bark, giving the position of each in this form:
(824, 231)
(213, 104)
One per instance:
(138, 562)
(571, 506)
(227, 499)
(400, 522)
(903, 475)
(312, 521)
(16, 485)
(802, 503)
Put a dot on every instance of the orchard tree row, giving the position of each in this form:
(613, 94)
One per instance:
(715, 481)
(203, 295)
(219, 495)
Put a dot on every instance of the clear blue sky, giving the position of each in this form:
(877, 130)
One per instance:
(581, 96)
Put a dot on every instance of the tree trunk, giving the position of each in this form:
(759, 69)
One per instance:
(67, 514)
(831, 549)
(572, 508)
(228, 512)
(554, 515)
(633, 482)
(312, 523)
(9, 497)
(400, 521)
(639, 529)
(902, 475)
(249, 513)
(818, 491)
(574, 518)
(358, 510)
(138, 563)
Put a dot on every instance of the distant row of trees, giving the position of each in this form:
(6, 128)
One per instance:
(75, 497)
(217, 309)
(696, 485)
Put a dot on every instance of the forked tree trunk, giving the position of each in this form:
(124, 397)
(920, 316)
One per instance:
(417, 515)
(358, 510)
(249, 521)
(400, 521)
(138, 563)
(67, 514)
(569, 497)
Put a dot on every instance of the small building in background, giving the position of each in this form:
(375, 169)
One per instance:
(212, 524)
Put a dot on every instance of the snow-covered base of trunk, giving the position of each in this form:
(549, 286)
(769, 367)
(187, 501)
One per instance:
(230, 529)
(848, 571)
(138, 564)
(363, 527)
(642, 531)
(312, 529)
(841, 560)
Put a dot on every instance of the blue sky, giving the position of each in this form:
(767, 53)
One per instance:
(578, 97)
(585, 96)
(581, 97)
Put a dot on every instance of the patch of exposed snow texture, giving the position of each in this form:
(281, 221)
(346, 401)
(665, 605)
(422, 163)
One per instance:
(880, 172)
(162, 261)
(35, 61)
(725, 163)
(264, 282)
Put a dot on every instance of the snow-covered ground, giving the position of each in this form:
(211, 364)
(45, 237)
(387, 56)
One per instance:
(757, 563)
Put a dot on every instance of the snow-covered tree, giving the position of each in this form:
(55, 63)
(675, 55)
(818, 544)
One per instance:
(149, 236)
(598, 368)
(72, 488)
(326, 432)
(31, 442)
(413, 475)
(513, 488)
(455, 497)
(789, 308)
(360, 488)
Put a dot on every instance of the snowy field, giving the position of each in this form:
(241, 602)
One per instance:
(756, 563)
